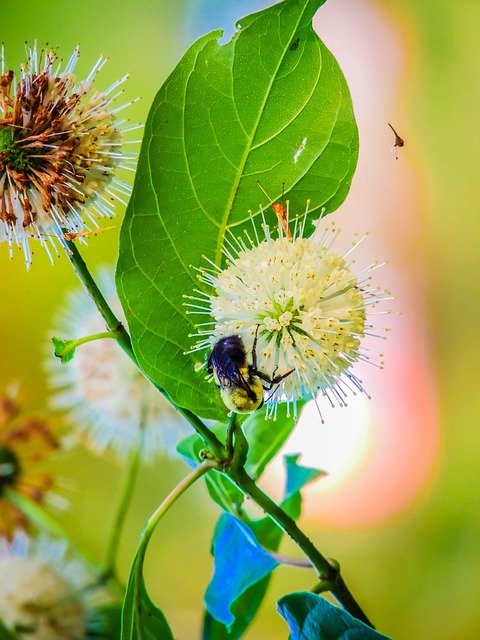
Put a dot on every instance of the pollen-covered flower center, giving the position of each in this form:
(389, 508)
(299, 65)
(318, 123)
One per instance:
(9, 468)
(60, 145)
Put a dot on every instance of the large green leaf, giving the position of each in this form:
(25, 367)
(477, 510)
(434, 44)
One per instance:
(271, 106)
(240, 562)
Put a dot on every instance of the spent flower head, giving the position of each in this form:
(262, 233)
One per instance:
(25, 444)
(304, 303)
(45, 593)
(110, 404)
(60, 145)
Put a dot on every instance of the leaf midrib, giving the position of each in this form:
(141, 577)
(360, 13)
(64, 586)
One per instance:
(248, 147)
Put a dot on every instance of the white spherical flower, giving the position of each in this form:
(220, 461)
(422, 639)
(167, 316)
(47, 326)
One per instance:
(110, 404)
(305, 306)
(60, 146)
(44, 593)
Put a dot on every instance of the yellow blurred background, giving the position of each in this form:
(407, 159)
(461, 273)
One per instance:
(405, 523)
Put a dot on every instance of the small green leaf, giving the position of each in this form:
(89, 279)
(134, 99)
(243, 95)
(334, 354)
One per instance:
(243, 609)
(141, 619)
(311, 617)
(6, 633)
(270, 106)
(35, 513)
(298, 476)
(240, 562)
(63, 349)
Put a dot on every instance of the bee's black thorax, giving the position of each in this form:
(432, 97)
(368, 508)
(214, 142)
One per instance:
(228, 361)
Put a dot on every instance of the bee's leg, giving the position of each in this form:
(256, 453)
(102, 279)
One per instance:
(270, 382)
(267, 382)
(277, 379)
(254, 350)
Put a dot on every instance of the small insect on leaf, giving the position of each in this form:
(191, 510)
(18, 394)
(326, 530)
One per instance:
(71, 235)
(280, 210)
(398, 142)
(294, 45)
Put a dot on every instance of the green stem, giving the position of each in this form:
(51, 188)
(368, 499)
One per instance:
(90, 285)
(172, 497)
(231, 426)
(135, 583)
(327, 571)
(73, 344)
(123, 338)
(122, 508)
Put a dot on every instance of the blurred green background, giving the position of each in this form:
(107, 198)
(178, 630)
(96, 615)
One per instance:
(415, 574)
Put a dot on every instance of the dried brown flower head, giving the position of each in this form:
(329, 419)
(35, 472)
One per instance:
(60, 145)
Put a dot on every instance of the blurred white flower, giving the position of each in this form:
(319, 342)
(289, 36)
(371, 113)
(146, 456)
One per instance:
(110, 404)
(44, 593)
(304, 303)
(60, 145)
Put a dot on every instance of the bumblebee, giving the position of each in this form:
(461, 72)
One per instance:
(241, 384)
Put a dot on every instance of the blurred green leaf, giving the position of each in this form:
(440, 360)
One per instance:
(6, 633)
(311, 617)
(62, 350)
(271, 106)
(106, 622)
(35, 513)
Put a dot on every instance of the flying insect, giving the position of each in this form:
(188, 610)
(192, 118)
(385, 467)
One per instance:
(241, 384)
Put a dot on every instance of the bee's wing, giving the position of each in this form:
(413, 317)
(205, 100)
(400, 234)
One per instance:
(230, 376)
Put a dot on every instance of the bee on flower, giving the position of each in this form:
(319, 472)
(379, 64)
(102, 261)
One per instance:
(25, 445)
(46, 593)
(299, 311)
(60, 146)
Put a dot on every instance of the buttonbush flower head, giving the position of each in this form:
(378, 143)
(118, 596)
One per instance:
(45, 594)
(110, 404)
(25, 444)
(60, 145)
(305, 304)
